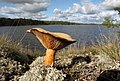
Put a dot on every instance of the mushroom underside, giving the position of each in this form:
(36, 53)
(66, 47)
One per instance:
(51, 42)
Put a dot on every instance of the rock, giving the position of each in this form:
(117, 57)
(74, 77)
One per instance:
(11, 69)
(43, 74)
(86, 68)
(38, 72)
(38, 62)
(10, 53)
(109, 75)
(67, 68)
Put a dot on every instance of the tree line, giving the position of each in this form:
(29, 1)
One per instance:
(24, 22)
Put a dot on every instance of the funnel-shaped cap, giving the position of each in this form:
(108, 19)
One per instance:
(51, 40)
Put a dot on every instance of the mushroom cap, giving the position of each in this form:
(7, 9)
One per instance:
(52, 40)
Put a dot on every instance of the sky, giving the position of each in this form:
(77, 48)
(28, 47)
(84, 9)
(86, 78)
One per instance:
(79, 11)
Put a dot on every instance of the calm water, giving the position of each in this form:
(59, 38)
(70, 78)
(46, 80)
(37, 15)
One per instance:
(84, 34)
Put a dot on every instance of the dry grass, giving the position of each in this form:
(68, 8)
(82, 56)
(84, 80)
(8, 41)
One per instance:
(111, 49)
(18, 47)
(77, 50)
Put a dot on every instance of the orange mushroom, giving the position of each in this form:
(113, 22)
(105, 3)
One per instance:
(52, 42)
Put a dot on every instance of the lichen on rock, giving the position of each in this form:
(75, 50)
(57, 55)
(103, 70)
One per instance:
(12, 65)
(38, 62)
(43, 74)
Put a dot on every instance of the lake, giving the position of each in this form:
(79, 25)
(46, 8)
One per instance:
(84, 34)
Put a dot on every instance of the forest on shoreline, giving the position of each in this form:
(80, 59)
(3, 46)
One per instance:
(24, 22)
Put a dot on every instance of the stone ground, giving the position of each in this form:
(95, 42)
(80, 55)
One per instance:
(87, 67)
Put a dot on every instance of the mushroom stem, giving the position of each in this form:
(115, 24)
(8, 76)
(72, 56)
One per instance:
(49, 58)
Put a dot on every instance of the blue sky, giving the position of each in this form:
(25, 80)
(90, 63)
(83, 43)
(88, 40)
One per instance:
(63, 4)
(81, 11)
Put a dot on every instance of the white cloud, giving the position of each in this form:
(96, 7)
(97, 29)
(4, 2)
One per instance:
(110, 4)
(61, 13)
(74, 9)
(77, 13)
(58, 19)
(17, 1)
(116, 18)
(26, 8)
(93, 18)
(57, 11)
(10, 10)
(88, 8)
(3, 16)
(88, 12)
(25, 1)
(107, 14)
(33, 8)
(35, 16)
(87, 18)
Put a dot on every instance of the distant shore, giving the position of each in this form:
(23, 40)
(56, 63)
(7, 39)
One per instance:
(26, 22)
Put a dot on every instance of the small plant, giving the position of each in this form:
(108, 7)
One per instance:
(17, 47)
(110, 48)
